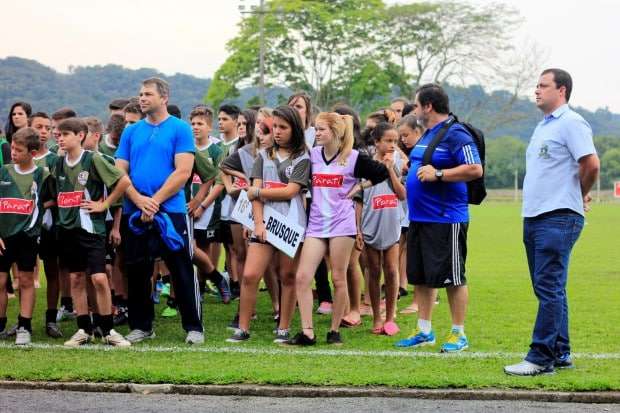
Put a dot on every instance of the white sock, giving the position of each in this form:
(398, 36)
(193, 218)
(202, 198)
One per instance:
(460, 329)
(424, 325)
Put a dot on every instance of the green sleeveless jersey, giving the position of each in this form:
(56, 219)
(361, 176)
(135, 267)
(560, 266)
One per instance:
(21, 200)
(84, 180)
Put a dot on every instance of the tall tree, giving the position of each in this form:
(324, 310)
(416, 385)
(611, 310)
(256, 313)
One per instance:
(311, 45)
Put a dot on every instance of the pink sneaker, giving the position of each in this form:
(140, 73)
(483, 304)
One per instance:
(391, 328)
(324, 308)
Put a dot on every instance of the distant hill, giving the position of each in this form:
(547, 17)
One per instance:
(89, 89)
(86, 89)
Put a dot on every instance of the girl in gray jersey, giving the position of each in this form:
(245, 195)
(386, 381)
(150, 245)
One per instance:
(241, 162)
(410, 132)
(279, 177)
(381, 218)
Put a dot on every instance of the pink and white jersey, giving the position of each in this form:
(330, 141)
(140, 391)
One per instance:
(332, 214)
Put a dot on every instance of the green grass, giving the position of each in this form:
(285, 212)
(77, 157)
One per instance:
(501, 314)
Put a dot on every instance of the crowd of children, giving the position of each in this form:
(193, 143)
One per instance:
(61, 207)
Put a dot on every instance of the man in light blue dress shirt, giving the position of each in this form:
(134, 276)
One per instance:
(561, 167)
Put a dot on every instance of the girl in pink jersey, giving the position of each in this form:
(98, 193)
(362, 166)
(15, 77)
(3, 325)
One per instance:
(279, 177)
(336, 168)
(381, 218)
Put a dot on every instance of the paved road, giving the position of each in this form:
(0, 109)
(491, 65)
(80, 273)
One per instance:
(67, 402)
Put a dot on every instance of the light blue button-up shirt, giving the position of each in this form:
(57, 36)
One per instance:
(552, 163)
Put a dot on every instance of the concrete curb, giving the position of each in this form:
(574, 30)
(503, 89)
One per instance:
(306, 391)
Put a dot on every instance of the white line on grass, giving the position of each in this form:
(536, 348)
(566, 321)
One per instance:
(305, 352)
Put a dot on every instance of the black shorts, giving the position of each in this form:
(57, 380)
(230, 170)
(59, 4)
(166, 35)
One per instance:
(207, 236)
(436, 254)
(21, 250)
(225, 234)
(48, 245)
(110, 251)
(81, 251)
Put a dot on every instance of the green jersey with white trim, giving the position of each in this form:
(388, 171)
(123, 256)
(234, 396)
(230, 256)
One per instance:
(83, 180)
(22, 195)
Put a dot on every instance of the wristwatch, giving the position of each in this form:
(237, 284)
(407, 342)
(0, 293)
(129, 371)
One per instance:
(439, 174)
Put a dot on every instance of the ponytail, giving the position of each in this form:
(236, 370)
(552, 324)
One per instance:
(347, 139)
(342, 129)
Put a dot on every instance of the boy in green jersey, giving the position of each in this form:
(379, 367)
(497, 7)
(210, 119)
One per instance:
(81, 178)
(48, 243)
(24, 187)
(205, 219)
(110, 140)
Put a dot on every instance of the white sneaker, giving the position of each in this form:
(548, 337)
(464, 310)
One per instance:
(195, 337)
(79, 338)
(136, 336)
(525, 368)
(116, 340)
(22, 337)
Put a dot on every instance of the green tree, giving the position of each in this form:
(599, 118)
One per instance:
(504, 156)
(610, 167)
(449, 40)
(311, 46)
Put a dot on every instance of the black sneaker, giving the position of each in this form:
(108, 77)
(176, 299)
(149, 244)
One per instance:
(52, 330)
(402, 292)
(301, 339)
(239, 336)
(234, 324)
(333, 337)
(121, 317)
(564, 362)
(282, 336)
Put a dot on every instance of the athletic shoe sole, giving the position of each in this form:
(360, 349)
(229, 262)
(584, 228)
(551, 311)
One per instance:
(443, 350)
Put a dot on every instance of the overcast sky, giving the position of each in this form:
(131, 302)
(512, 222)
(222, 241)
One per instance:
(189, 36)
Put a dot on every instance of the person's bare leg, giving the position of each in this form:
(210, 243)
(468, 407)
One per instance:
(214, 250)
(287, 269)
(312, 253)
(402, 260)
(364, 270)
(390, 275)
(26, 294)
(458, 298)
(231, 262)
(259, 256)
(426, 301)
(354, 278)
(78, 292)
(339, 253)
(273, 286)
(202, 261)
(15, 274)
(102, 293)
(239, 249)
(374, 285)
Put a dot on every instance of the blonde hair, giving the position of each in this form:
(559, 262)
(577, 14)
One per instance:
(265, 111)
(342, 128)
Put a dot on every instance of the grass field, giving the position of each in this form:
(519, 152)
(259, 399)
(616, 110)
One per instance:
(499, 323)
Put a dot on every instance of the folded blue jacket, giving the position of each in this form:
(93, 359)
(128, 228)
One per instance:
(164, 225)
